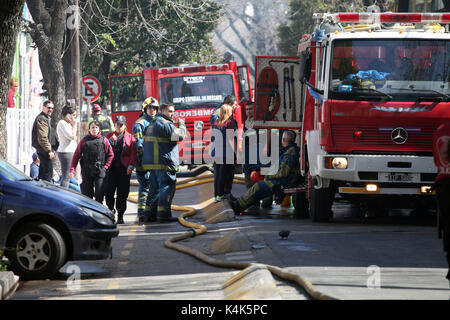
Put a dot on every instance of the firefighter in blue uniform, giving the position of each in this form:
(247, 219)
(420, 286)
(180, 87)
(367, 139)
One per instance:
(150, 107)
(287, 176)
(162, 160)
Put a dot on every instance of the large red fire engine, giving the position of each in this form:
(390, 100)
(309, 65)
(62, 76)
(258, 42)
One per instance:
(373, 94)
(195, 90)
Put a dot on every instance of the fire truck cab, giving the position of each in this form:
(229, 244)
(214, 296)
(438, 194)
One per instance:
(380, 89)
(375, 88)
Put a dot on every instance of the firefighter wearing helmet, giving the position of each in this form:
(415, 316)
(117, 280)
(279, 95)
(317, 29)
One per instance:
(106, 122)
(150, 107)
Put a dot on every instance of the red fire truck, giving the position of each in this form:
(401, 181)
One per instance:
(195, 90)
(372, 95)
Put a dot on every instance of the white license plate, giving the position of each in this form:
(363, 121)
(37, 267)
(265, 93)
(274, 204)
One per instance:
(197, 145)
(398, 177)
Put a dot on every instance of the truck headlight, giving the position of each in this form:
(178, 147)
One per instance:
(336, 163)
(97, 216)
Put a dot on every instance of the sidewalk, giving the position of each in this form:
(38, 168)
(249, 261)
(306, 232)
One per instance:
(8, 284)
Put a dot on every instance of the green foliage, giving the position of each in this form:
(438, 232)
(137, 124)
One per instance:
(124, 35)
(3, 265)
(300, 20)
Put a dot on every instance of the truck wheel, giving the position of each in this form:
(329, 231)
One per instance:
(300, 205)
(320, 204)
(39, 251)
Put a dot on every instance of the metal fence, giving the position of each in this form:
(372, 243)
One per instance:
(19, 123)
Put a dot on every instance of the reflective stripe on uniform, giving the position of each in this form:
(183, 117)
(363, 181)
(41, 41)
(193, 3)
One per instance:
(154, 167)
(157, 139)
(155, 152)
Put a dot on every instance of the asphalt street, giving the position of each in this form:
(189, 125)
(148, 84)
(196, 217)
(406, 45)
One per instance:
(396, 257)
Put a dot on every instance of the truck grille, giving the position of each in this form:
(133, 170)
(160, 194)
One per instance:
(419, 139)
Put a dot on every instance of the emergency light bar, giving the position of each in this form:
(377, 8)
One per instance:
(369, 18)
(207, 68)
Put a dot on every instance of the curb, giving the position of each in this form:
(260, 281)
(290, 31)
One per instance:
(252, 283)
(8, 284)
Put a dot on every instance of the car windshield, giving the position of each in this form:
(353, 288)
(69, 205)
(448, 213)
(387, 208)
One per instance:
(407, 69)
(196, 90)
(12, 173)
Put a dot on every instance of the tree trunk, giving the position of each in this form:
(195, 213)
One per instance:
(10, 22)
(48, 34)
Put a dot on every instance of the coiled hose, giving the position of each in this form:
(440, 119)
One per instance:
(198, 229)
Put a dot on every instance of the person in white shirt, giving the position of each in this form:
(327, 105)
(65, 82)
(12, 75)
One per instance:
(67, 134)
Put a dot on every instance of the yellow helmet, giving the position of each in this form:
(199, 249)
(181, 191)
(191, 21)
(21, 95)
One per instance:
(150, 101)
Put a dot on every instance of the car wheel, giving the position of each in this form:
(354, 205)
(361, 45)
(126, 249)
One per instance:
(39, 251)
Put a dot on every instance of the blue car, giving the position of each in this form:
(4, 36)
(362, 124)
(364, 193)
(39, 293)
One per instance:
(42, 226)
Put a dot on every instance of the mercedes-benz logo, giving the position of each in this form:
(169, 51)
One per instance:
(198, 125)
(399, 135)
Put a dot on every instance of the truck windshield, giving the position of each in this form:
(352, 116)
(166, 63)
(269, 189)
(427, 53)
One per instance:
(390, 69)
(127, 93)
(195, 90)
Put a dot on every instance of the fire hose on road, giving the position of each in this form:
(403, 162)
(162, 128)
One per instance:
(198, 229)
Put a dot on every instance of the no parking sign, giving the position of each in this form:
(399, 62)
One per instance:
(91, 89)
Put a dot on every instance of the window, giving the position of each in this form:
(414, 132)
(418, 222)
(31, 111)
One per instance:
(404, 69)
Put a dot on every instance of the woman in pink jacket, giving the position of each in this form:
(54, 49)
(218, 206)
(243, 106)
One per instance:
(118, 176)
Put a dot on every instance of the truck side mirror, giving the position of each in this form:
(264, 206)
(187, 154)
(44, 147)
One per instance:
(244, 83)
(305, 65)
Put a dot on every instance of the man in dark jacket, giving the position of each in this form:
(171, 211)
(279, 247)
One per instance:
(45, 141)
(119, 174)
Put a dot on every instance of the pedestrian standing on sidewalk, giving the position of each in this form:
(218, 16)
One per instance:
(150, 107)
(67, 134)
(119, 174)
(441, 153)
(162, 159)
(95, 156)
(224, 152)
(45, 141)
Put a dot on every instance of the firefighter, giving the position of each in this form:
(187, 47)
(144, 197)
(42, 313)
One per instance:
(96, 157)
(441, 153)
(288, 175)
(162, 159)
(119, 174)
(150, 107)
(106, 123)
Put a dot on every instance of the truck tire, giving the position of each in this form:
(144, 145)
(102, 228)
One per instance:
(300, 205)
(320, 204)
(39, 251)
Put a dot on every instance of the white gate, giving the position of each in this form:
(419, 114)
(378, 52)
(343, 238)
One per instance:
(19, 123)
